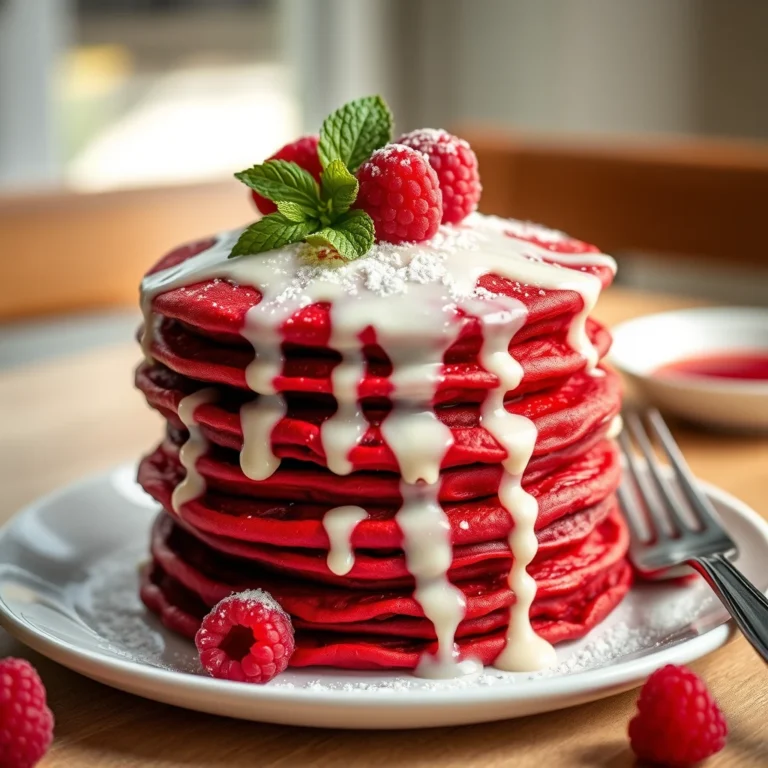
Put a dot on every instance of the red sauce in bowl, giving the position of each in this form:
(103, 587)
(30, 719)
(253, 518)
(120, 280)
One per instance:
(742, 366)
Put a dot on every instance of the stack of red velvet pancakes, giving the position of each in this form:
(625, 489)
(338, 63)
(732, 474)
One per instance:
(391, 447)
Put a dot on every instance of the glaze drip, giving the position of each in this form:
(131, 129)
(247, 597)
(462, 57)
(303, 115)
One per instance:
(193, 485)
(339, 524)
(501, 319)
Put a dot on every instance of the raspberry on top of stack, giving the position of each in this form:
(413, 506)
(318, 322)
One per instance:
(387, 412)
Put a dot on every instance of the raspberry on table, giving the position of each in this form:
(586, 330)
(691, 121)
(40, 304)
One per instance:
(456, 166)
(678, 722)
(26, 723)
(400, 191)
(247, 637)
(303, 152)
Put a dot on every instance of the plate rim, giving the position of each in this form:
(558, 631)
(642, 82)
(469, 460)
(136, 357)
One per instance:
(617, 355)
(105, 668)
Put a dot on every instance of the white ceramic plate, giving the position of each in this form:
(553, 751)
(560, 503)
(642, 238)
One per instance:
(68, 588)
(642, 346)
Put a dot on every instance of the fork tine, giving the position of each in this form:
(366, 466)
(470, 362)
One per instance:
(654, 519)
(702, 507)
(638, 432)
(633, 513)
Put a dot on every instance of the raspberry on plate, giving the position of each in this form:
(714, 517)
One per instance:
(400, 191)
(678, 722)
(247, 637)
(303, 152)
(456, 166)
(26, 723)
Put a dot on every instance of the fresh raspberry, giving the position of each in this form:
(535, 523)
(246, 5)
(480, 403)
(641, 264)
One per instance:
(303, 152)
(678, 722)
(400, 191)
(26, 723)
(247, 637)
(456, 166)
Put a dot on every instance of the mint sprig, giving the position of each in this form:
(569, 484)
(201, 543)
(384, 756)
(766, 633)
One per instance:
(294, 211)
(320, 213)
(280, 180)
(352, 235)
(272, 232)
(338, 187)
(354, 131)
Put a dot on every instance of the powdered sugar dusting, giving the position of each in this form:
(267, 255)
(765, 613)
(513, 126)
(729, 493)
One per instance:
(630, 633)
(388, 270)
(252, 596)
(114, 611)
(393, 153)
(434, 139)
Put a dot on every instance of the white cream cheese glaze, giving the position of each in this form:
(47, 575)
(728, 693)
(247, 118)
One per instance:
(410, 295)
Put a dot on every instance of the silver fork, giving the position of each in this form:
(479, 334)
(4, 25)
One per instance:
(671, 539)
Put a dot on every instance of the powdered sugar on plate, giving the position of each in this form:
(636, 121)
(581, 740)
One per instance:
(650, 618)
(110, 604)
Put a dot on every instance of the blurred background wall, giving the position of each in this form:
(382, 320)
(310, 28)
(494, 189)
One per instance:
(118, 95)
(125, 92)
(600, 66)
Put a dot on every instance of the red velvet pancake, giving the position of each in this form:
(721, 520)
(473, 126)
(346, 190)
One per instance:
(545, 361)
(365, 630)
(210, 572)
(236, 533)
(236, 511)
(563, 414)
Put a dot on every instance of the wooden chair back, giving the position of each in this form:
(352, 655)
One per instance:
(685, 197)
(73, 251)
(69, 251)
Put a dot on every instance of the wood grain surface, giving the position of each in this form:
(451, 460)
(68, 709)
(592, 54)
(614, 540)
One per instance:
(70, 416)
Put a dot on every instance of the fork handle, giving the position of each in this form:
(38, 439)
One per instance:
(746, 604)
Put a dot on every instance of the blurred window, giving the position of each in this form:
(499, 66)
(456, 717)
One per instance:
(150, 91)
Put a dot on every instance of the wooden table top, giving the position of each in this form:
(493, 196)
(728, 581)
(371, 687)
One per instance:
(66, 417)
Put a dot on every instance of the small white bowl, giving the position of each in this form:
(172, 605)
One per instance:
(642, 346)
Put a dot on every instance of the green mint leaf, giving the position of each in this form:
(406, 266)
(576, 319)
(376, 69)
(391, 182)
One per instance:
(279, 180)
(351, 235)
(295, 212)
(271, 232)
(354, 131)
(338, 187)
